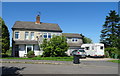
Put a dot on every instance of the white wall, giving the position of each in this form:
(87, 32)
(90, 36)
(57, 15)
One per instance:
(37, 51)
(22, 51)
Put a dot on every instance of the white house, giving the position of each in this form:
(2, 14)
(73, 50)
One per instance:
(27, 36)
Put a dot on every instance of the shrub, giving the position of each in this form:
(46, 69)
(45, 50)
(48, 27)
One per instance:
(3, 55)
(112, 52)
(55, 47)
(30, 54)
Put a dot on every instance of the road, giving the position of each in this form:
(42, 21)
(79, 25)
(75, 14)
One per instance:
(86, 67)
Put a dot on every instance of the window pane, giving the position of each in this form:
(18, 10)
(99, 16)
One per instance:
(87, 48)
(32, 35)
(16, 35)
(101, 47)
(45, 35)
(26, 35)
(49, 35)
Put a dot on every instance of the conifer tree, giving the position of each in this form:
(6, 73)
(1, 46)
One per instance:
(110, 33)
(5, 36)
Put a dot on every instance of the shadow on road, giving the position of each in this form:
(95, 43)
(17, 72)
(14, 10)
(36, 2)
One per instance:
(11, 71)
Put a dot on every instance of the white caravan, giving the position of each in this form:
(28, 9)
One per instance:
(94, 50)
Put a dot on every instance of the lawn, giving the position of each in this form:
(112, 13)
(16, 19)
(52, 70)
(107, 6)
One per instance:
(44, 58)
(115, 61)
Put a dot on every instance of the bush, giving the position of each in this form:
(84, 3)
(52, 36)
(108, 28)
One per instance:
(112, 53)
(3, 55)
(55, 47)
(30, 54)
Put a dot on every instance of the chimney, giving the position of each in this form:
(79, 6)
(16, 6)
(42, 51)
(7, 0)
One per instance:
(37, 19)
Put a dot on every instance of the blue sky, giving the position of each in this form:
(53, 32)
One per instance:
(73, 17)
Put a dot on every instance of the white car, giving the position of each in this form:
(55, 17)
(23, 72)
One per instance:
(79, 52)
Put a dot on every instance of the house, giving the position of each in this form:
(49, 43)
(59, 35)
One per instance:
(74, 41)
(26, 36)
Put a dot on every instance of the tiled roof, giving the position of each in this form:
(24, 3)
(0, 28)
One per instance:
(33, 26)
(74, 44)
(25, 42)
(72, 35)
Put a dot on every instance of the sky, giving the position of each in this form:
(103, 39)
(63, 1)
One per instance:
(84, 18)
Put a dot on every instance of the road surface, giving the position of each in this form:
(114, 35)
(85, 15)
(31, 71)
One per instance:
(86, 67)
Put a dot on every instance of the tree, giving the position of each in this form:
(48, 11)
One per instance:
(5, 37)
(56, 46)
(86, 40)
(110, 34)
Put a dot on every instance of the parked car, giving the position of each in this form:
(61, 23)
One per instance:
(80, 52)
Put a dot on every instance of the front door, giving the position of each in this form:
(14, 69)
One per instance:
(16, 51)
(29, 48)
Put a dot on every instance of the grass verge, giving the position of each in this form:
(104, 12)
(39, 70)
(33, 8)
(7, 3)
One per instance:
(44, 58)
(114, 61)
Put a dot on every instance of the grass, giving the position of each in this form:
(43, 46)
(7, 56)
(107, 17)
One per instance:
(114, 61)
(44, 58)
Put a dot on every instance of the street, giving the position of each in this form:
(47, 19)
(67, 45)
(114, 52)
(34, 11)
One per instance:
(86, 67)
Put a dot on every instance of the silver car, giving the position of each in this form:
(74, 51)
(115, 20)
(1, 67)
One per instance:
(79, 52)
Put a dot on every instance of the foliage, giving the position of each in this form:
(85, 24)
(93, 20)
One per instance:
(30, 54)
(55, 47)
(110, 34)
(5, 37)
(86, 40)
(112, 52)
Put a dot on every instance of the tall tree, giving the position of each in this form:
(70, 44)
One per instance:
(86, 40)
(110, 33)
(5, 36)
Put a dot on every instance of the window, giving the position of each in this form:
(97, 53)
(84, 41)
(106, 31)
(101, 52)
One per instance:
(45, 35)
(16, 35)
(92, 47)
(32, 36)
(101, 47)
(58, 34)
(26, 35)
(49, 35)
(87, 48)
(74, 39)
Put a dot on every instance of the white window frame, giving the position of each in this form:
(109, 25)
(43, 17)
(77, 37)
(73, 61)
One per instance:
(44, 34)
(32, 35)
(25, 35)
(74, 39)
(18, 35)
(28, 46)
(48, 35)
